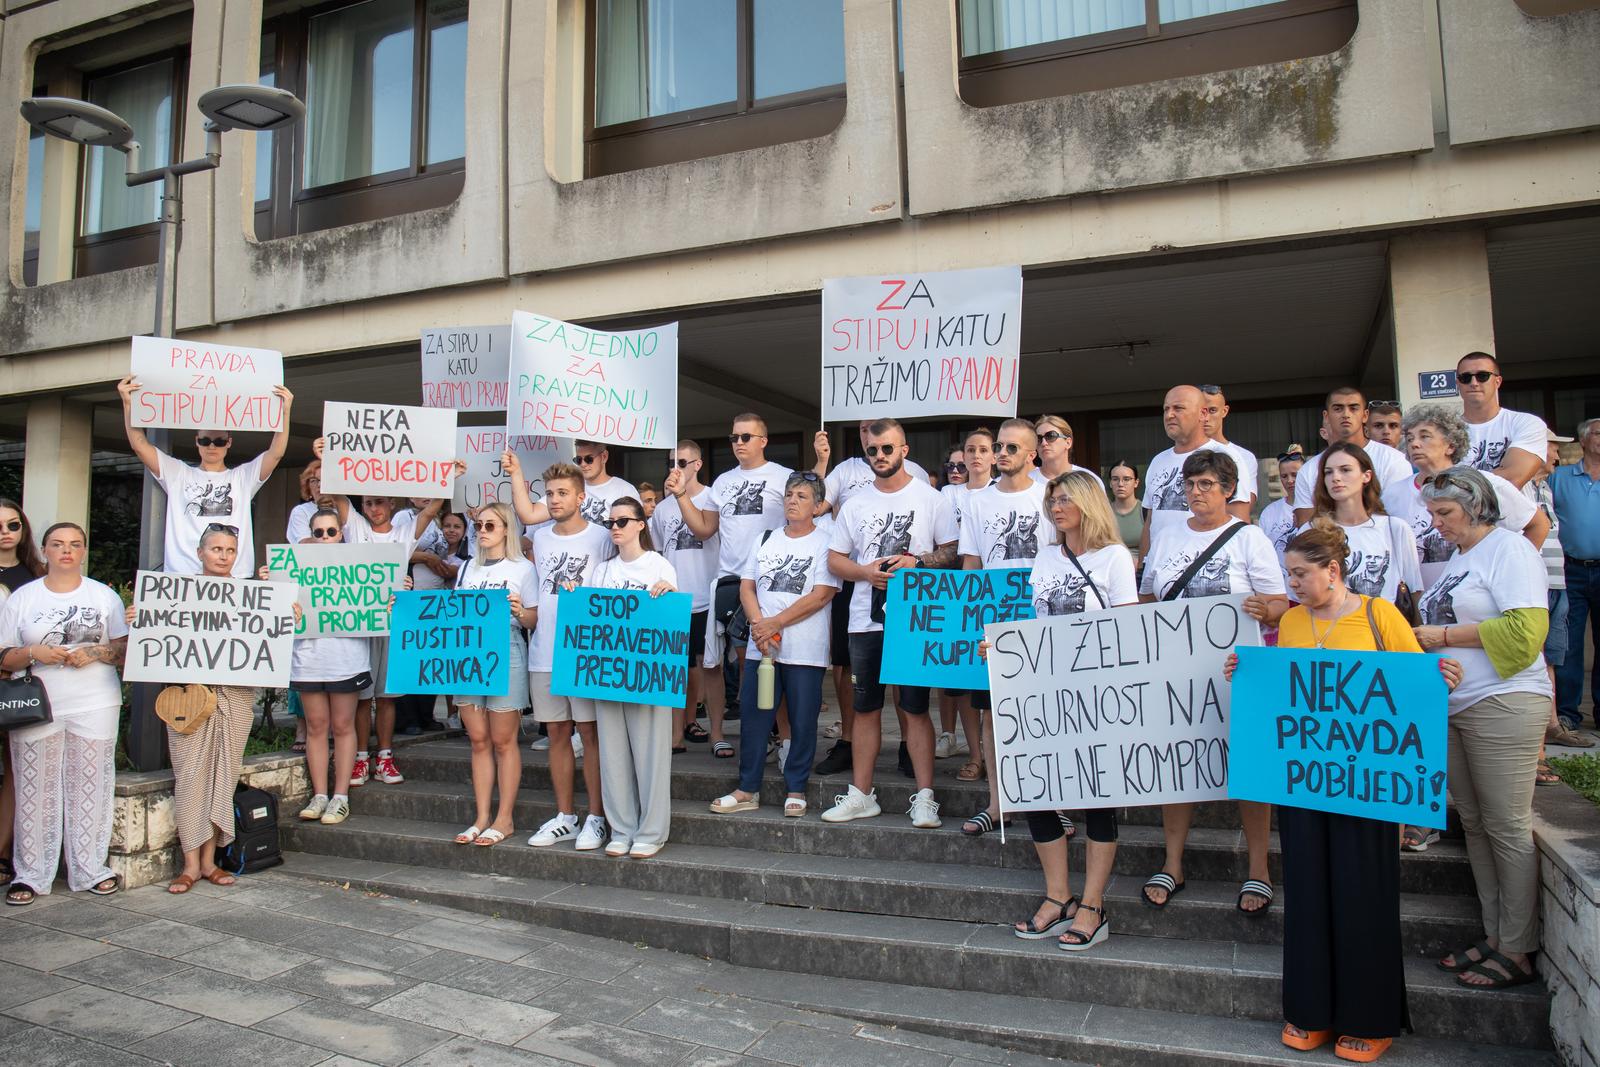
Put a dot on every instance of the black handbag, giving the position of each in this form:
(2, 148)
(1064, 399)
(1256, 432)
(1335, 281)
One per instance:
(23, 701)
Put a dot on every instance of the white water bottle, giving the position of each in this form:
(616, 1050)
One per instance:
(766, 683)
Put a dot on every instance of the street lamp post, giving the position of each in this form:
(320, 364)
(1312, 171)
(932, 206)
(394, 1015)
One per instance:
(228, 107)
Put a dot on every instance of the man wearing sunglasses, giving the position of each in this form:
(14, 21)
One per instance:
(898, 521)
(1504, 442)
(1213, 413)
(209, 492)
(1165, 500)
(851, 476)
(1345, 415)
(599, 488)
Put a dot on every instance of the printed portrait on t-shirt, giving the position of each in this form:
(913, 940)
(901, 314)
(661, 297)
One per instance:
(787, 575)
(1433, 546)
(1212, 579)
(1167, 492)
(746, 498)
(1367, 572)
(1016, 536)
(890, 538)
(594, 508)
(1438, 607)
(680, 538)
(564, 567)
(209, 500)
(77, 625)
(1487, 455)
(1062, 595)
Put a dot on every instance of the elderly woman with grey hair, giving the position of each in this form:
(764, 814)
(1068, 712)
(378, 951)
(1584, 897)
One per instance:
(1487, 608)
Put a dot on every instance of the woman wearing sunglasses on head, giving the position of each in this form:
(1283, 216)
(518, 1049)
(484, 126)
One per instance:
(328, 674)
(635, 739)
(491, 722)
(20, 563)
(69, 629)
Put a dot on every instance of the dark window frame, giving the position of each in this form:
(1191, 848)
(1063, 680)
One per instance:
(130, 246)
(30, 256)
(295, 209)
(717, 129)
(1155, 51)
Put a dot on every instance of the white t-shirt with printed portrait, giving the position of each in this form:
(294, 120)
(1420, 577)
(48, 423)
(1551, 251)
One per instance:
(1491, 440)
(1383, 553)
(750, 502)
(643, 573)
(1245, 565)
(1277, 522)
(597, 499)
(1164, 497)
(1389, 467)
(1005, 529)
(695, 559)
(785, 569)
(513, 574)
(854, 474)
(88, 697)
(298, 527)
(196, 499)
(1038, 475)
(561, 558)
(912, 520)
(1404, 501)
(1500, 573)
(1060, 588)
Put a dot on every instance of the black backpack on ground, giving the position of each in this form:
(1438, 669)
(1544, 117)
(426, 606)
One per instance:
(255, 833)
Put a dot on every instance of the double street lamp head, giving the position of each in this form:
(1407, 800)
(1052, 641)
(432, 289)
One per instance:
(227, 107)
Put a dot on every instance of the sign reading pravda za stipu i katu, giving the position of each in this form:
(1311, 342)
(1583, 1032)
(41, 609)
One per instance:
(921, 344)
(388, 449)
(344, 589)
(215, 631)
(189, 385)
(465, 368)
(1119, 708)
(572, 381)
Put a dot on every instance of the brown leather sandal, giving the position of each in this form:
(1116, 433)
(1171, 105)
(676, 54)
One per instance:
(971, 772)
(218, 876)
(181, 884)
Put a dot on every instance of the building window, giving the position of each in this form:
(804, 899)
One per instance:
(680, 79)
(1013, 50)
(116, 224)
(384, 83)
(33, 207)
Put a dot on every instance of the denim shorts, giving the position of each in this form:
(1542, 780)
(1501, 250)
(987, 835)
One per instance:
(1555, 642)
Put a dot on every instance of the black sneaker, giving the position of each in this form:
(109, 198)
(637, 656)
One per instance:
(836, 761)
(905, 762)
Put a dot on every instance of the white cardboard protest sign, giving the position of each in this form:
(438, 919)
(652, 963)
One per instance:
(465, 368)
(486, 481)
(947, 343)
(215, 631)
(344, 589)
(1118, 708)
(189, 385)
(388, 449)
(572, 381)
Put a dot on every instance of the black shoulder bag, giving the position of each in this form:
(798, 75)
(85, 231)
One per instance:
(23, 700)
(1175, 590)
(1073, 556)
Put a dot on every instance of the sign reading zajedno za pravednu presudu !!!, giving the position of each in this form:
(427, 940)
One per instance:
(1118, 708)
(215, 631)
(187, 385)
(389, 449)
(921, 344)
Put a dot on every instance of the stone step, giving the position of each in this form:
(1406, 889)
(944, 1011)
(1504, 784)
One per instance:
(932, 873)
(697, 775)
(1204, 982)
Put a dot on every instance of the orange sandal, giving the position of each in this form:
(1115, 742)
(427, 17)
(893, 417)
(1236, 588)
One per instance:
(218, 876)
(1311, 1039)
(181, 884)
(1376, 1046)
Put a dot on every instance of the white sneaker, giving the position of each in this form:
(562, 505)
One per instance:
(924, 810)
(338, 811)
(948, 745)
(783, 753)
(594, 834)
(453, 722)
(853, 805)
(577, 746)
(559, 828)
(618, 846)
(541, 744)
(314, 808)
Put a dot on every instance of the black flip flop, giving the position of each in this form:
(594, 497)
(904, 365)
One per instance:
(18, 887)
(1255, 887)
(1161, 880)
(696, 733)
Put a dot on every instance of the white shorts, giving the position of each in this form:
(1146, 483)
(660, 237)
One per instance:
(548, 707)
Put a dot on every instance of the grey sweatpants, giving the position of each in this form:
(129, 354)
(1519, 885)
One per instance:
(636, 770)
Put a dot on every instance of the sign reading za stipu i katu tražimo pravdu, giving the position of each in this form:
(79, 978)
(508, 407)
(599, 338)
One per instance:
(1119, 708)
(947, 343)
(189, 385)
(573, 381)
(465, 368)
(1353, 733)
(388, 449)
(215, 631)
(344, 589)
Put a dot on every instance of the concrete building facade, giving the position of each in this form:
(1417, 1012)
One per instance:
(1426, 184)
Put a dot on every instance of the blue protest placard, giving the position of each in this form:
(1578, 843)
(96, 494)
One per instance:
(450, 641)
(1353, 733)
(623, 645)
(934, 619)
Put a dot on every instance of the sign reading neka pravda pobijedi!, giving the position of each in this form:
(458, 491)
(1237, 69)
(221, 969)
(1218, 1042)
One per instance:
(215, 631)
(572, 381)
(921, 344)
(344, 589)
(388, 449)
(189, 385)
(1118, 708)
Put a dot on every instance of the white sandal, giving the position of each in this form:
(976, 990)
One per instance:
(489, 837)
(727, 805)
(794, 807)
(468, 836)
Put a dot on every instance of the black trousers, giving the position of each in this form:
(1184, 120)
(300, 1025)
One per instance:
(1343, 967)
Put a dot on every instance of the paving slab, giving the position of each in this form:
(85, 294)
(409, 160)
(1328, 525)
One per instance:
(693, 1024)
(19, 984)
(121, 970)
(80, 917)
(44, 949)
(206, 1042)
(506, 981)
(474, 939)
(41, 1047)
(163, 937)
(355, 1032)
(577, 998)
(101, 1015)
(240, 1001)
(344, 982)
(465, 1052)
(576, 963)
(349, 908)
(612, 1044)
(247, 958)
(802, 1045)
(362, 948)
(469, 1014)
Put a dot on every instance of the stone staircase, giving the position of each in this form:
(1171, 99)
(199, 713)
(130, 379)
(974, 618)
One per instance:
(880, 921)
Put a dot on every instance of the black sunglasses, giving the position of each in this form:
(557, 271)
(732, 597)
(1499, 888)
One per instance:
(742, 438)
(325, 531)
(876, 450)
(1049, 437)
(222, 528)
(1291, 457)
(585, 460)
(1210, 390)
(213, 442)
(14, 525)
(1479, 376)
(1384, 404)
(1010, 448)
(619, 523)
(679, 463)
(805, 476)
(956, 468)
